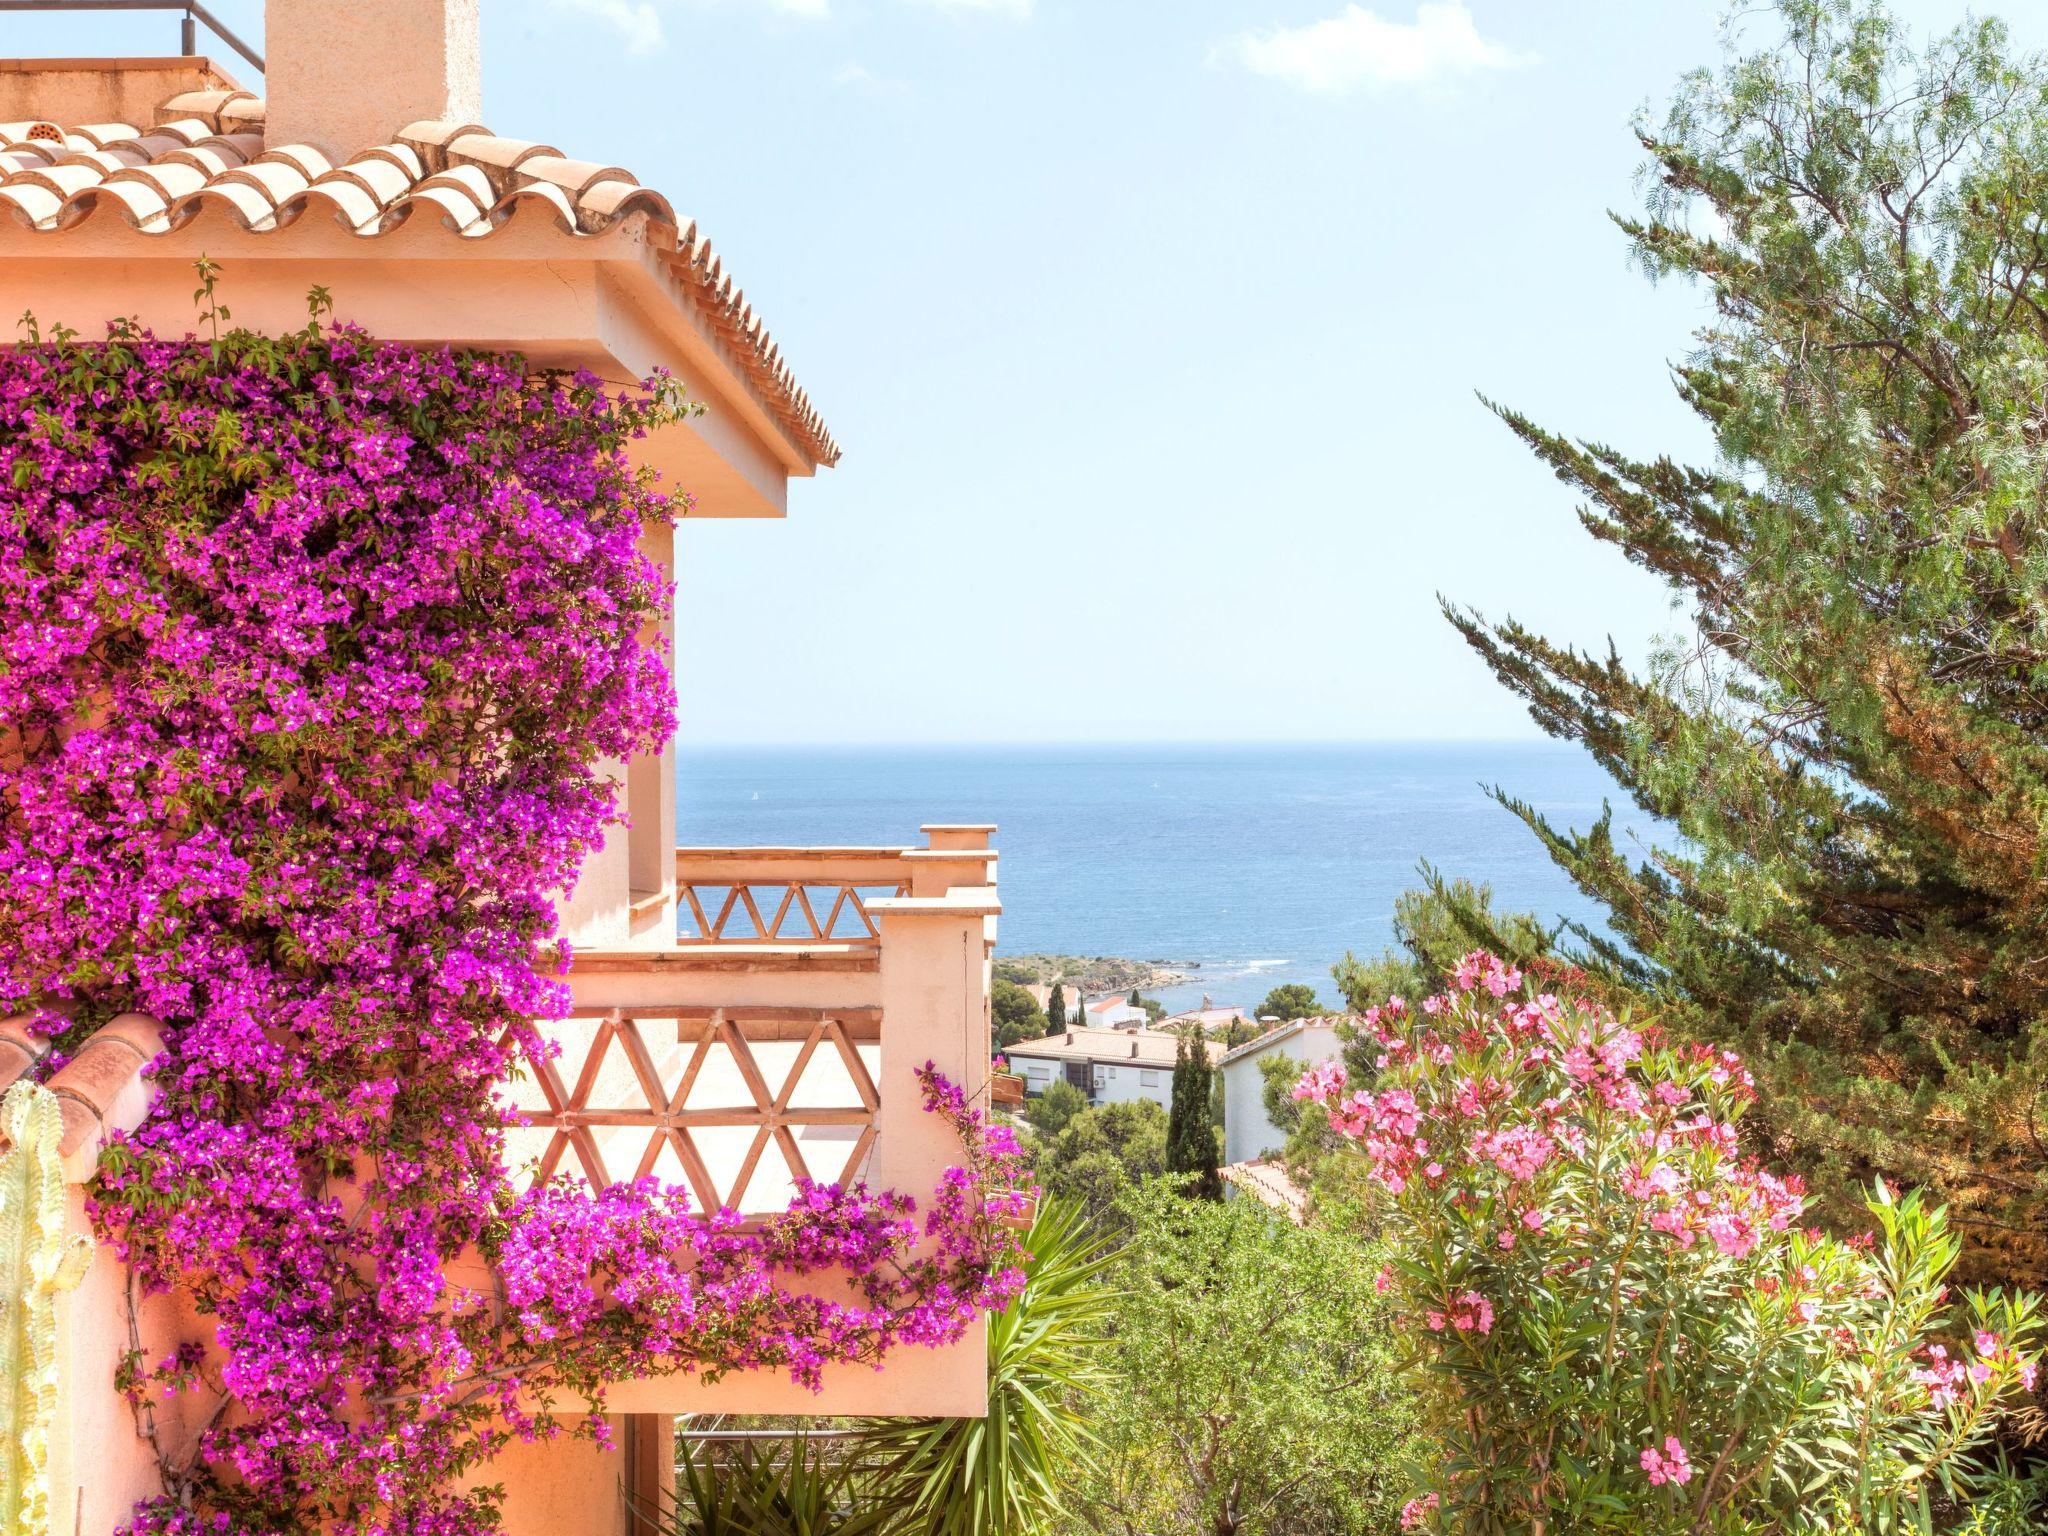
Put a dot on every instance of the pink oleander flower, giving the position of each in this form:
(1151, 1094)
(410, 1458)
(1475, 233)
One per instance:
(1668, 1466)
(1541, 1164)
(1416, 1512)
(1472, 1313)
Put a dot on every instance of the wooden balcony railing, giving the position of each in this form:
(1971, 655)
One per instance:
(816, 895)
(703, 1097)
(780, 895)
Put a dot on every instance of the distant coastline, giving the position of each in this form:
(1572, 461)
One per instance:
(1094, 974)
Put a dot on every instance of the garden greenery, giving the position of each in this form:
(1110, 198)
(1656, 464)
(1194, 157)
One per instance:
(311, 651)
(1619, 1323)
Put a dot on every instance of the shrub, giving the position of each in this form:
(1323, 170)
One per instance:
(1617, 1321)
(1099, 1154)
(1251, 1387)
(1048, 1113)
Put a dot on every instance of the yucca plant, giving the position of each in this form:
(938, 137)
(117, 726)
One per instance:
(797, 1488)
(1001, 1476)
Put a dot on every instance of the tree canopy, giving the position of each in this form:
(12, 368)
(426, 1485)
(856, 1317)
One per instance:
(1097, 1154)
(1291, 1000)
(1016, 1014)
(1849, 745)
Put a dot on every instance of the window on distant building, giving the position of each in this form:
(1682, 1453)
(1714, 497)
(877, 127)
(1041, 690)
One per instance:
(1148, 1079)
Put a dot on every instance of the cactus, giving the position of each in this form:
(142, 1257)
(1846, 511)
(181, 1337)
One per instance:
(37, 1260)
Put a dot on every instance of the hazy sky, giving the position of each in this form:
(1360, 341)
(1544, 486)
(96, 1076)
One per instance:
(1152, 330)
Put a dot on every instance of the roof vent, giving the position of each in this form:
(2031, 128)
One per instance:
(45, 133)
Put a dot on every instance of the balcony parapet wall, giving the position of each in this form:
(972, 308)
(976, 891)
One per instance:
(653, 1027)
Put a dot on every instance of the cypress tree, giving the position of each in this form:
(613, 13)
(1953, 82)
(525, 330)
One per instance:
(1853, 745)
(1056, 1010)
(1190, 1128)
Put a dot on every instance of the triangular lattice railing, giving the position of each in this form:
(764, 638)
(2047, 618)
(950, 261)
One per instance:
(784, 912)
(622, 1102)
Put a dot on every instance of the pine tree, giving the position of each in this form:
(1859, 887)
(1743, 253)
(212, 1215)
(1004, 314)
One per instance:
(1190, 1128)
(1056, 1010)
(1853, 746)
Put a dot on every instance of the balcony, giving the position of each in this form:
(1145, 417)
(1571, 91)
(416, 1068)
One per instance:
(774, 1037)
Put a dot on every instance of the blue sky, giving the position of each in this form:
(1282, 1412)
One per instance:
(1152, 327)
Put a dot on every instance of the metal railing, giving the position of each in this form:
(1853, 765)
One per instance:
(188, 30)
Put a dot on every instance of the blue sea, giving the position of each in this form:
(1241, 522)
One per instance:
(1260, 864)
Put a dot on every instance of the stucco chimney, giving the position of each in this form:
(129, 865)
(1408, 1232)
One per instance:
(345, 76)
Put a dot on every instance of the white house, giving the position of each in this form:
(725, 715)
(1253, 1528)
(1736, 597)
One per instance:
(1248, 1132)
(1109, 1065)
(1115, 1013)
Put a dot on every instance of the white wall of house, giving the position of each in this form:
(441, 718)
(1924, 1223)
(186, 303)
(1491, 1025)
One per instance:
(1119, 1082)
(1038, 1074)
(1111, 1082)
(1118, 1015)
(1247, 1132)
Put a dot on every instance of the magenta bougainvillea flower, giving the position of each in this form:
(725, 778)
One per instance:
(311, 649)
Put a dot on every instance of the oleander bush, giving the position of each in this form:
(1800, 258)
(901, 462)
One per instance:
(1618, 1322)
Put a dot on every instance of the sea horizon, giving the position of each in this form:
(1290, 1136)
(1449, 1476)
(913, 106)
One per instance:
(1247, 864)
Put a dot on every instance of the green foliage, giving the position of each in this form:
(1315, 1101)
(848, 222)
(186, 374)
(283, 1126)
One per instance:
(1620, 1323)
(1253, 1386)
(1049, 1112)
(1016, 1014)
(1854, 744)
(1294, 1000)
(1434, 925)
(1056, 1009)
(766, 1488)
(1278, 1073)
(38, 1259)
(1099, 1153)
(1191, 1148)
(1003, 1475)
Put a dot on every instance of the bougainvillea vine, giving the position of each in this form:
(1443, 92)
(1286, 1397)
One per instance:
(311, 651)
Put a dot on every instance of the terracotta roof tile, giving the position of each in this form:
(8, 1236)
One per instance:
(208, 148)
